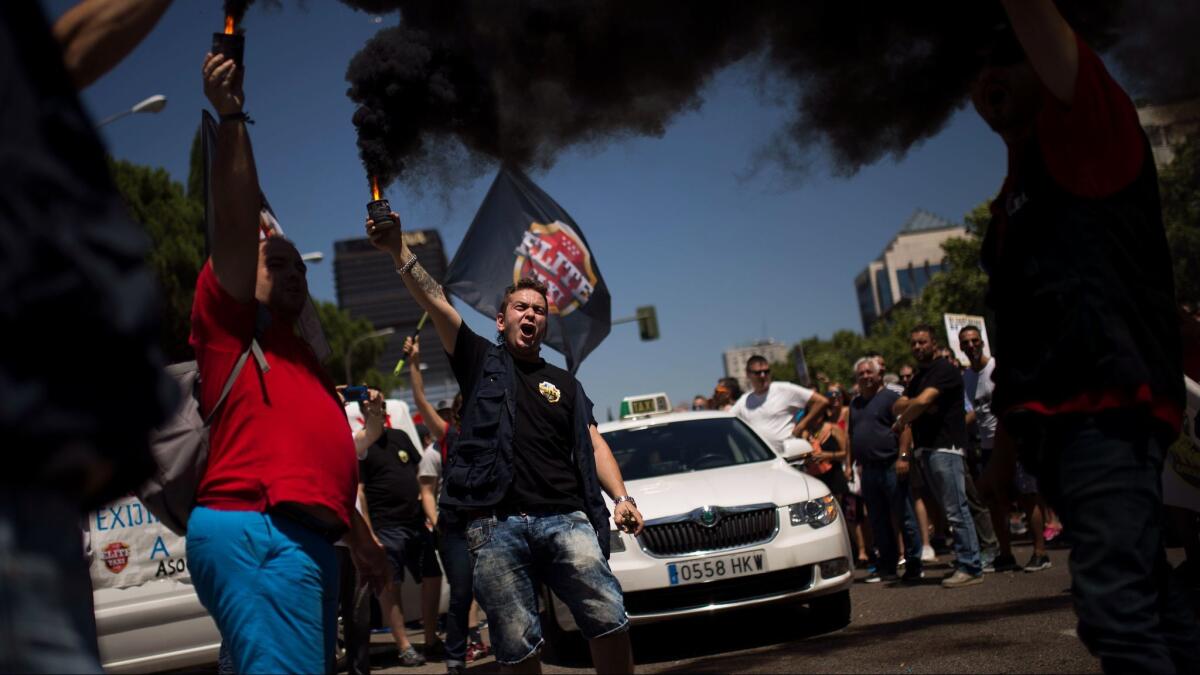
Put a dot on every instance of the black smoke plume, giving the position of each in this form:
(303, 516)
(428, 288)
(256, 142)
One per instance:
(237, 8)
(458, 85)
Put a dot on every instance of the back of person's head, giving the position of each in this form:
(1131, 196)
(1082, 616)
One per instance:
(731, 383)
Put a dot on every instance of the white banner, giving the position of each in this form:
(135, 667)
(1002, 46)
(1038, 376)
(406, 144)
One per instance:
(129, 546)
(957, 322)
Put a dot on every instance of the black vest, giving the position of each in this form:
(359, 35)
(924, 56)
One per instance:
(1082, 290)
(479, 464)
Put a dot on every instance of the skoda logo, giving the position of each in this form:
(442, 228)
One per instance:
(708, 516)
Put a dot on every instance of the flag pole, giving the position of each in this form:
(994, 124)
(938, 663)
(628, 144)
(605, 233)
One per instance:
(416, 333)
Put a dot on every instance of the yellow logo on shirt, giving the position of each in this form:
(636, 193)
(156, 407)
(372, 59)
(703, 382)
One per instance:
(403, 455)
(550, 391)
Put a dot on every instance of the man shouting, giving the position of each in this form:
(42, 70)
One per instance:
(526, 472)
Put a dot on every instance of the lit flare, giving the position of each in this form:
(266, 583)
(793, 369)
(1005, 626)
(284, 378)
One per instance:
(229, 24)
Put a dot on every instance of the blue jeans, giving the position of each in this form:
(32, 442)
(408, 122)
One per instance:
(514, 554)
(270, 584)
(456, 561)
(46, 619)
(945, 473)
(887, 497)
(1102, 474)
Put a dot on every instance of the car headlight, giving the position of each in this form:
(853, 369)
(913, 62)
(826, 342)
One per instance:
(817, 512)
(615, 542)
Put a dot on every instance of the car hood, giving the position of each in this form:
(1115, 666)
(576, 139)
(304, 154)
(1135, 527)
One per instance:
(772, 482)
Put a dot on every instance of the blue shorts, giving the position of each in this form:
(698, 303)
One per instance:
(515, 554)
(409, 548)
(270, 584)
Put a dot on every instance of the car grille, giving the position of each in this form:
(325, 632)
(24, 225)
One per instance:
(733, 530)
(679, 598)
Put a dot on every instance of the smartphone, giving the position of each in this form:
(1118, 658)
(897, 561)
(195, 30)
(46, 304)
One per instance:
(357, 393)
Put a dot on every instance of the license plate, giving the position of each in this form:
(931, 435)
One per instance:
(717, 567)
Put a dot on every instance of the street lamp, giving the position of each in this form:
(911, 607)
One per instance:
(382, 332)
(150, 105)
(313, 257)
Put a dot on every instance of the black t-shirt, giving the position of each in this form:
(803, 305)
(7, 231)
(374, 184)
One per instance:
(944, 423)
(544, 474)
(389, 478)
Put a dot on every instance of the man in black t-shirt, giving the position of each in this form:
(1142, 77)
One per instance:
(933, 405)
(526, 470)
(388, 475)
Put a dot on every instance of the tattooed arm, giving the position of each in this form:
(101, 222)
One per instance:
(427, 292)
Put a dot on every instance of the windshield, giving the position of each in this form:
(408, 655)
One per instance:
(680, 447)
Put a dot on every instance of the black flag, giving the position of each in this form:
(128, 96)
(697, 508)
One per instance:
(520, 231)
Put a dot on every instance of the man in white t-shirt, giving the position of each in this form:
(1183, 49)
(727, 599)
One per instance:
(770, 407)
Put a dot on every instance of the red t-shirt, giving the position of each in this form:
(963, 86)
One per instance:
(280, 436)
(1092, 148)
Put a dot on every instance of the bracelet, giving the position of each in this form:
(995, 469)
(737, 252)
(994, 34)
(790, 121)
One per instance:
(407, 266)
(625, 498)
(241, 116)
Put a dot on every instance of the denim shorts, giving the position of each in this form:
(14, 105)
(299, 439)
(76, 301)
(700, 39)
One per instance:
(409, 548)
(515, 554)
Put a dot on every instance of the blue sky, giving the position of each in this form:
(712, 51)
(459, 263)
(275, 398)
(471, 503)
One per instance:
(726, 260)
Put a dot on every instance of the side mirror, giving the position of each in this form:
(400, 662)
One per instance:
(796, 449)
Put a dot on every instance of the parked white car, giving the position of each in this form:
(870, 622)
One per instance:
(729, 524)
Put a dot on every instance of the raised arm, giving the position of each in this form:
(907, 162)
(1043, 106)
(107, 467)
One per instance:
(1049, 43)
(96, 34)
(236, 195)
(433, 421)
(427, 292)
(373, 415)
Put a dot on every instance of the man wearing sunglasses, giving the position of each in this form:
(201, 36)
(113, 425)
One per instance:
(770, 407)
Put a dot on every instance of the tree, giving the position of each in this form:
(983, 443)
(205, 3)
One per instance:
(341, 330)
(1179, 185)
(174, 224)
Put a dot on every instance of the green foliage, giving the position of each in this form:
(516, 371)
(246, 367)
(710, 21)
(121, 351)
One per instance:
(195, 186)
(341, 330)
(1179, 185)
(174, 224)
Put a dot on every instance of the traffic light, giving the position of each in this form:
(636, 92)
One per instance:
(647, 320)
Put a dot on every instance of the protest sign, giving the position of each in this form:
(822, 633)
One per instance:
(129, 546)
(955, 323)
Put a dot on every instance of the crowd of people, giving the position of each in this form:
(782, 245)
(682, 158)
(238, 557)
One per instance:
(1077, 417)
(883, 447)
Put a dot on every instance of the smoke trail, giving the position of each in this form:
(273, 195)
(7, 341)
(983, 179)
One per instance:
(459, 85)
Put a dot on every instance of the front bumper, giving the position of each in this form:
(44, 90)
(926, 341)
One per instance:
(793, 574)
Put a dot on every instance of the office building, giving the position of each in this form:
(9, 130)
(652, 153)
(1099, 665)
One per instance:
(736, 358)
(1168, 126)
(901, 272)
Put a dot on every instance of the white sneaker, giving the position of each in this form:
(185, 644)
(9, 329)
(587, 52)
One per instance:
(927, 554)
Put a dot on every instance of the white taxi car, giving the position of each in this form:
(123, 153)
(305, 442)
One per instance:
(729, 524)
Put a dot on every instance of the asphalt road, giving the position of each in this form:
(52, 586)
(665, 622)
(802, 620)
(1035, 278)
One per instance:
(1013, 622)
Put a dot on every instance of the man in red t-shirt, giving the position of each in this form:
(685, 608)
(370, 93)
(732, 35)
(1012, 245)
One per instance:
(282, 474)
(1087, 381)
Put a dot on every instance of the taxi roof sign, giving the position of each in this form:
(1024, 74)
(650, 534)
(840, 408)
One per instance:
(646, 404)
